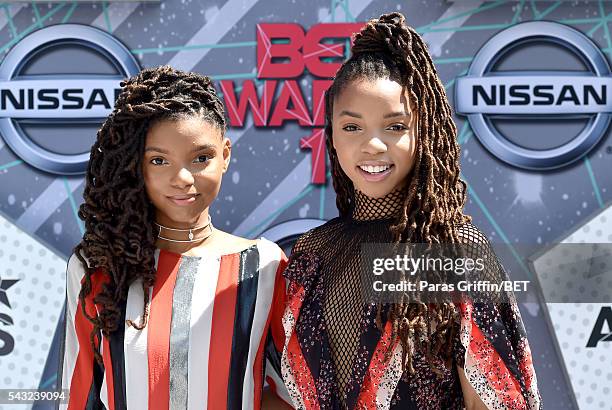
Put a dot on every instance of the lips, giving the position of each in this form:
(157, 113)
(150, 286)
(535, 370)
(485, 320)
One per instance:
(183, 200)
(374, 171)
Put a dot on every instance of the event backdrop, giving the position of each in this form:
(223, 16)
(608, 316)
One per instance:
(529, 81)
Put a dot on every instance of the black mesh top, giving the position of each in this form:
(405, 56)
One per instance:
(339, 362)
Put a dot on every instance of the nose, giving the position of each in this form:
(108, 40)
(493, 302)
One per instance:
(374, 145)
(182, 178)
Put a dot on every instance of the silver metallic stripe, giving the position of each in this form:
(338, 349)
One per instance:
(179, 331)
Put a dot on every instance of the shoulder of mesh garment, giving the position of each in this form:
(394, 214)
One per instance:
(471, 234)
(477, 245)
(317, 237)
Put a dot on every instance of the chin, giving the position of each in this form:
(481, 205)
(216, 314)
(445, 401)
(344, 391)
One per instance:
(375, 192)
(182, 218)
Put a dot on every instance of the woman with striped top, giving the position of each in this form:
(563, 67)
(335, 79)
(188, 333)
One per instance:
(164, 311)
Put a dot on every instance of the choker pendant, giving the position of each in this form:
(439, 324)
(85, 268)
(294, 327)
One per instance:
(190, 234)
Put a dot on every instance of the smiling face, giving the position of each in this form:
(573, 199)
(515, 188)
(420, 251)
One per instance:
(183, 163)
(374, 135)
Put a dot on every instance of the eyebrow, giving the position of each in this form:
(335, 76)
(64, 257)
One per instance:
(195, 149)
(350, 114)
(397, 114)
(389, 115)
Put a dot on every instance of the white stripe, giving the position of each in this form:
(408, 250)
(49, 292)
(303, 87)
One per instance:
(435, 40)
(47, 203)
(211, 33)
(269, 258)
(287, 372)
(13, 9)
(480, 384)
(135, 348)
(289, 187)
(117, 14)
(476, 379)
(199, 337)
(533, 398)
(281, 389)
(74, 275)
(389, 380)
(104, 388)
(135, 351)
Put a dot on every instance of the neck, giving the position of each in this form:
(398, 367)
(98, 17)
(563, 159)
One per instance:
(387, 207)
(181, 237)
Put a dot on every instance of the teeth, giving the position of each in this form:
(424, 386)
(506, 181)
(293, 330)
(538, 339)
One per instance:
(373, 169)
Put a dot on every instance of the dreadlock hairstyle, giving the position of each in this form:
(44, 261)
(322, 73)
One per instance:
(386, 48)
(119, 237)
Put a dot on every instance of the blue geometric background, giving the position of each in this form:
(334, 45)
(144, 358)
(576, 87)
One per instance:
(269, 179)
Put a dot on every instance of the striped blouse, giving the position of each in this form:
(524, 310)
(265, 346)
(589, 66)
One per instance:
(209, 341)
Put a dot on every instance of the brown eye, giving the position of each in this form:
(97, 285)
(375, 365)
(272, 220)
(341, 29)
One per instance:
(157, 161)
(350, 128)
(202, 159)
(398, 127)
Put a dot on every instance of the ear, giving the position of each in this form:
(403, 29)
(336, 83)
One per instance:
(227, 153)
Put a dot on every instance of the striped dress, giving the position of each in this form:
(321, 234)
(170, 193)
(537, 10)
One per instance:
(210, 341)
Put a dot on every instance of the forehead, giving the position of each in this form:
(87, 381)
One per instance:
(175, 132)
(373, 96)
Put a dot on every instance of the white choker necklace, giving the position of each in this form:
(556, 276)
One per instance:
(190, 230)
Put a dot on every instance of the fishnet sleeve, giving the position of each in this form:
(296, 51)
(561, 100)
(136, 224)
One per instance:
(493, 350)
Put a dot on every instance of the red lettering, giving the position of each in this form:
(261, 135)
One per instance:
(315, 50)
(267, 50)
(316, 143)
(237, 111)
(318, 101)
(290, 106)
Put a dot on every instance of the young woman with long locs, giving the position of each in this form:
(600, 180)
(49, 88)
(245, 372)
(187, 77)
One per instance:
(395, 168)
(164, 311)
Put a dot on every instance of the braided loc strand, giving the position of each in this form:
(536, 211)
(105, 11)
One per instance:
(119, 237)
(386, 48)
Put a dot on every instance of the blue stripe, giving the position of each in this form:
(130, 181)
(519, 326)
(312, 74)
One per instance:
(248, 276)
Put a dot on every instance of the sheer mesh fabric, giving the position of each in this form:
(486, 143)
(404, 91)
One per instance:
(338, 243)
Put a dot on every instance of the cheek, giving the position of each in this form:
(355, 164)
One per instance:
(343, 151)
(406, 148)
(154, 181)
(209, 180)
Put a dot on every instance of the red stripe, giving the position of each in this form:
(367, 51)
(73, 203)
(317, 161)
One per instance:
(302, 375)
(272, 384)
(295, 358)
(376, 370)
(295, 299)
(108, 371)
(82, 377)
(497, 374)
(158, 336)
(222, 329)
(275, 314)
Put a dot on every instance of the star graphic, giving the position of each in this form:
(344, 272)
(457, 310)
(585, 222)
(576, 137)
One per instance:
(4, 285)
